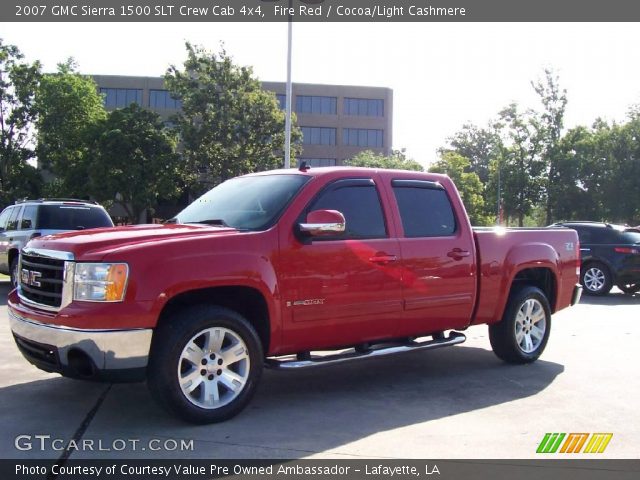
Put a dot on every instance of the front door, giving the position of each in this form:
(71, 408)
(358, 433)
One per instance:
(343, 289)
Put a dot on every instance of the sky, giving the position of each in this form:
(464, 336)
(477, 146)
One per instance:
(443, 75)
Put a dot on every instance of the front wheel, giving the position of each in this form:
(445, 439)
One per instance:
(205, 364)
(522, 335)
(13, 273)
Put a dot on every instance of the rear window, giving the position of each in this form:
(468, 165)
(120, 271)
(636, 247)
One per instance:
(72, 217)
(631, 236)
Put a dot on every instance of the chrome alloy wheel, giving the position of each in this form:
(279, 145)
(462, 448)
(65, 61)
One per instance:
(594, 279)
(530, 325)
(213, 368)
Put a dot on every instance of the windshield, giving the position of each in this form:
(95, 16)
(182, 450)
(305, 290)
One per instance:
(245, 203)
(72, 217)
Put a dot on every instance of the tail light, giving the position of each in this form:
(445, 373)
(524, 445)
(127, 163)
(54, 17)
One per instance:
(627, 250)
(578, 259)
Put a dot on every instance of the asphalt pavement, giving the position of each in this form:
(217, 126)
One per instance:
(458, 402)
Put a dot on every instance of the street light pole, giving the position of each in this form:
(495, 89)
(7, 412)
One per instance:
(287, 120)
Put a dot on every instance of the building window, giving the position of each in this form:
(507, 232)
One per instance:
(362, 137)
(282, 100)
(316, 105)
(162, 99)
(318, 162)
(121, 97)
(364, 107)
(318, 136)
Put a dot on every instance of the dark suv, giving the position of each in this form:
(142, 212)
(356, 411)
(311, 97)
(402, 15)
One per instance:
(610, 256)
(25, 220)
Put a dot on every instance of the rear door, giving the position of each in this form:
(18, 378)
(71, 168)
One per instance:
(438, 258)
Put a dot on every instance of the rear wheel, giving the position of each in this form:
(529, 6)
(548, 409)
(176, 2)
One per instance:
(205, 364)
(522, 335)
(596, 279)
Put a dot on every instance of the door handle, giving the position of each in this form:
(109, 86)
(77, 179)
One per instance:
(458, 254)
(383, 258)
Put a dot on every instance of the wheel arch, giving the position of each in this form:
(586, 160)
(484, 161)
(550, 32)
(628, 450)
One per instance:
(591, 260)
(543, 278)
(246, 301)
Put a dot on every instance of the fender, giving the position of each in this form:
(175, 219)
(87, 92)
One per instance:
(521, 257)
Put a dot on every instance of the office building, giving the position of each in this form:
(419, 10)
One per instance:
(337, 121)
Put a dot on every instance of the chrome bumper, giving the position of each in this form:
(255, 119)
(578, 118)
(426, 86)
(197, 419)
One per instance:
(107, 349)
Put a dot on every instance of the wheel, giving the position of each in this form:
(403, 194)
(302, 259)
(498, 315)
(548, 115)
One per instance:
(629, 288)
(521, 336)
(13, 273)
(205, 364)
(596, 279)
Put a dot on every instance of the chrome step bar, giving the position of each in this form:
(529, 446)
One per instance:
(296, 363)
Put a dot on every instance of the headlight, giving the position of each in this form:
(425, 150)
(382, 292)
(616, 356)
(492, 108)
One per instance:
(100, 282)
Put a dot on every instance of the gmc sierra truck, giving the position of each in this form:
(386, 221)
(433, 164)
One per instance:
(285, 269)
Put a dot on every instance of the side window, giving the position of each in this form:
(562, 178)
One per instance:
(359, 202)
(29, 217)
(425, 209)
(12, 224)
(4, 216)
(604, 236)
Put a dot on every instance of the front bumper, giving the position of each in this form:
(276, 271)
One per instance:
(109, 355)
(577, 293)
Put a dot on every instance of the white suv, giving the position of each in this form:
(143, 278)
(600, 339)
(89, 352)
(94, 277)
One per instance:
(27, 219)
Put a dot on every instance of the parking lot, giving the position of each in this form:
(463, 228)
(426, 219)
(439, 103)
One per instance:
(459, 402)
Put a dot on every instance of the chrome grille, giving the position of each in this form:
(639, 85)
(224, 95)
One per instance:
(43, 277)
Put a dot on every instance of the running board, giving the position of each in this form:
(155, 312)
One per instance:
(319, 360)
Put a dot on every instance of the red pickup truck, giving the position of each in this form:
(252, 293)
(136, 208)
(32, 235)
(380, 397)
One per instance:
(269, 269)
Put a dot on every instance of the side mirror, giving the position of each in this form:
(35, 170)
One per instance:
(323, 222)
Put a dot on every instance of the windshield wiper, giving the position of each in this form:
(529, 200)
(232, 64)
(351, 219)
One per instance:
(215, 221)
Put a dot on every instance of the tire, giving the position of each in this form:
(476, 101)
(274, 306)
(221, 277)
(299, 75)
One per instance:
(629, 288)
(596, 279)
(13, 272)
(191, 372)
(527, 309)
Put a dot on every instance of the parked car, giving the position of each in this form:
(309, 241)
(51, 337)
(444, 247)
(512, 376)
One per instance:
(610, 256)
(29, 219)
(268, 268)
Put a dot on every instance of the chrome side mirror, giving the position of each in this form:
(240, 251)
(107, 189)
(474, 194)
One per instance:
(323, 222)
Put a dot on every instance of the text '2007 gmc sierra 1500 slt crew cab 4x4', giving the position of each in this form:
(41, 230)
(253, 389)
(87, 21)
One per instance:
(269, 269)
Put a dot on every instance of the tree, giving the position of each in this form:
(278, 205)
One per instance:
(18, 82)
(397, 160)
(69, 108)
(577, 172)
(479, 145)
(522, 168)
(554, 101)
(133, 161)
(228, 124)
(468, 183)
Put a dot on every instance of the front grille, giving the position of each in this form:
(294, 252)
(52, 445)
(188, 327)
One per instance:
(48, 273)
(41, 355)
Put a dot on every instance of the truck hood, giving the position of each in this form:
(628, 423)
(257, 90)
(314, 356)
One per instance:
(95, 243)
